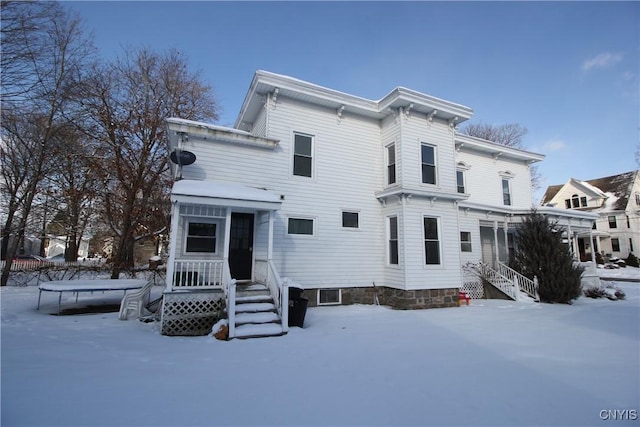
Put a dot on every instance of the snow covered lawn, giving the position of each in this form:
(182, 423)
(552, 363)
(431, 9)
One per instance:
(491, 363)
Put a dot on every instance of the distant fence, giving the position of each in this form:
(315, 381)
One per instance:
(34, 265)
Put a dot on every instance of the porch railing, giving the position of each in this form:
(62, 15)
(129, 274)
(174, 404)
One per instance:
(230, 298)
(190, 274)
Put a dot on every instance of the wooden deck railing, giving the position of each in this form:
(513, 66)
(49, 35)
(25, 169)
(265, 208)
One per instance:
(188, 274)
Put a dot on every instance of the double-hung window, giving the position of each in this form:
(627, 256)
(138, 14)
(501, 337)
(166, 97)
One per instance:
(460, 181)
(465, 241)
(612, 221)
(506, 192)
(391, 164)
(615, 245)
(302, 155)
(428, 155)
(393, 240)
(201, 237)
(431, 241)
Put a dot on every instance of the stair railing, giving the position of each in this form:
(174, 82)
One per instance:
(520, 281)
(499, 281)
(230, 297)
(279, 290)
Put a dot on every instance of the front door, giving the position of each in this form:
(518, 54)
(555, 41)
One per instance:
(241, 246)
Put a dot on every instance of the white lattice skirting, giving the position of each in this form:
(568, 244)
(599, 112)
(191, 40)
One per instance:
(191, 313)
(473, 288)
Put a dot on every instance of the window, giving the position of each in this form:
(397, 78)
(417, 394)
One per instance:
(637, 198)
(393, 240)
(594, 227)
(329, 296)
(460, 181)
(615, 245)
(567, 203)
(431, 242)
(302, 155)
(350, 219)
(575, 201)
(201, 237)
(428, 164)
(300, 226)
(391, 164)
(583, 201)
(506, 192)
(630, 244)
(465, 241)
(612, 222)
(628, 222)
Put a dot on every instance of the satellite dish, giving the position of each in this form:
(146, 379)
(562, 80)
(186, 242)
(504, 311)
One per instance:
(182, 158)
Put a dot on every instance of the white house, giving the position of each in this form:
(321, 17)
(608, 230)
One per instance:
(616, 200)
(351, 199)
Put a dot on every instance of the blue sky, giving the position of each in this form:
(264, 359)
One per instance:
(568, 71)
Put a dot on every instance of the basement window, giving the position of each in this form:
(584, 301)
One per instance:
(329, 296)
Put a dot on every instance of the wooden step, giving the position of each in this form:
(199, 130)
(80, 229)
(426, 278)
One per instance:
(256, 318)
(254, 307)
(253, 298)
(259, 331)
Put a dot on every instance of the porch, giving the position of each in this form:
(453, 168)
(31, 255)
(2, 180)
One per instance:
(221, 236)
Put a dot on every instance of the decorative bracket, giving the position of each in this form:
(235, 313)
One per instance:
(497, 155)
(340, 111)
(452, 123)
(407, 111)
(274, 98)
(430, 117)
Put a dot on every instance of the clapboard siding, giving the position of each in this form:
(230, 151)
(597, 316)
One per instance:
(390, 134)
(484, 183)
(420, 275)
(470, 222)
(416, 129)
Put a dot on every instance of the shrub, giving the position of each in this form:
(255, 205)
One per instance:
(594, 292)
(599, 258)
(540, 252)
(632, 260)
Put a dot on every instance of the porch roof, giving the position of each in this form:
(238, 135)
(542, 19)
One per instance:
(224, 194)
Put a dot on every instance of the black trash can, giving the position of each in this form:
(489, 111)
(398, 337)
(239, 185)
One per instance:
(297, 307)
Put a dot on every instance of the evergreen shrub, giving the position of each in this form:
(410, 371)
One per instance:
(632, 260)
(539, 251)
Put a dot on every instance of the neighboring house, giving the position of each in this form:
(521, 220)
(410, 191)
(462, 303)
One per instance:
(353, 200)
(616, 200)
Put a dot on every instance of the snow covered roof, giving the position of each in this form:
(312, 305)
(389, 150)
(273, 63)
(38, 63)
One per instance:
(224, 194)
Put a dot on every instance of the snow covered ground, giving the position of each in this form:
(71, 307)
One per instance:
(492, 363)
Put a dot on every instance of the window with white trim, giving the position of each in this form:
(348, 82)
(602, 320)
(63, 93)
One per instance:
(460, 181)
(391, 164)
(428, 156)
(506, 192)
(393, 240)
(350, 219)
(465, 241)
(300, 226)
(201, 237)
(612, 222)
(329, 296)
(431, 241)
(302, 155)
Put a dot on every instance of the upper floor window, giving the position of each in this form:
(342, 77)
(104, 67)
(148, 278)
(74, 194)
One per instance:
(506, 192)
(201, 237)
(628, 222)
(302, 155)
(637, 198)
(393, 240)
(612, 222)
(431, 241)
(460, 181)
(576, 202)
(391, 164)
(428, 153)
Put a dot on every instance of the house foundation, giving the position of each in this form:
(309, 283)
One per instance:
(399, 299)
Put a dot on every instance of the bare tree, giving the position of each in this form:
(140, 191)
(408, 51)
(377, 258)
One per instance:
(510, 134)
(44, 51)
(126, 103)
